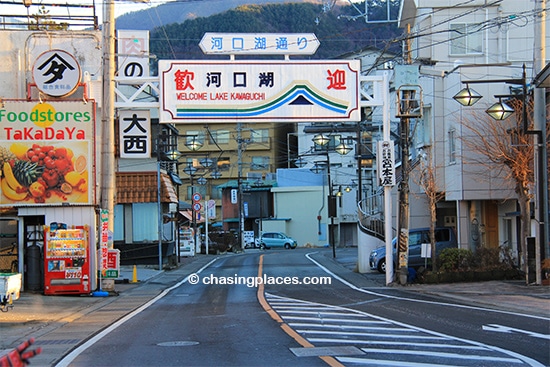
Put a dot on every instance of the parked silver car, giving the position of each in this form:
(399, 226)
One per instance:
(276, 239)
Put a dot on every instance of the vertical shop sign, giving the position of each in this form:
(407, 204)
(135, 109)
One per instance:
(386, 163)
(135, 134)
(133, 54)
(104, 241)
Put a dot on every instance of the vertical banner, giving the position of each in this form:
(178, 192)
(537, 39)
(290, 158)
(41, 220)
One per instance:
(104, 241)
(133, 54)
(386, 163)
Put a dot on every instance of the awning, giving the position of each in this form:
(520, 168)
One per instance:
(141, 187)
(188, 214)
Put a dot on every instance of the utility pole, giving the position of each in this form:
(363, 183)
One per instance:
(240, 183)
(403, 221)
(409, 105)
(108, 122)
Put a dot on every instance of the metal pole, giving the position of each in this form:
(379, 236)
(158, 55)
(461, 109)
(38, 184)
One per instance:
(330, 206)
(159, 203)
(541, 148)
(194, 216)
(387, 189)
(239, 184)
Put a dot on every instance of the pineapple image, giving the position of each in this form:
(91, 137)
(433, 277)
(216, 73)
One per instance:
(6, 155)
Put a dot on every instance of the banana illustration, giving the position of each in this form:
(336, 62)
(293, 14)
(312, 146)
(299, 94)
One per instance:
(11, 193)
(11, 180)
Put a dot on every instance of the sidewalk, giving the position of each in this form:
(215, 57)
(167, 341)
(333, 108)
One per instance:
(508, 295)
(60, 323)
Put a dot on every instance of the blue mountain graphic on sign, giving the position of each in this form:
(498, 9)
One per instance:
(301, 100)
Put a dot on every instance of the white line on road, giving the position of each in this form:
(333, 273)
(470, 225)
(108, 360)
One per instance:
(507, 329)
(80, 349)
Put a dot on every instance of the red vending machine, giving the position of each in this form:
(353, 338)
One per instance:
(66, 260)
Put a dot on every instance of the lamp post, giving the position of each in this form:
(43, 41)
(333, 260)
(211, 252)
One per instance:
(323, 141)
(169, 141)
(501, 111)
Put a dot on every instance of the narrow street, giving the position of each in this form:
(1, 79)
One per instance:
(217, 321)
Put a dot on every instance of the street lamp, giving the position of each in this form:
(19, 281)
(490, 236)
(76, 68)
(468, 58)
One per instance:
(169, 141)
(467, 96)
(500, 110)
(323, 141)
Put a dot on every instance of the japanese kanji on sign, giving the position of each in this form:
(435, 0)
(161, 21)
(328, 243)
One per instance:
(286, 91)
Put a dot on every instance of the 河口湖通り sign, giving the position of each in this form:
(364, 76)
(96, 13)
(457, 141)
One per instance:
(46, 152)
(259, 43)
(286, 91)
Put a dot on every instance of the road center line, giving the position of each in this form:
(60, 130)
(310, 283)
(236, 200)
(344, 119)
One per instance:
(331, 361)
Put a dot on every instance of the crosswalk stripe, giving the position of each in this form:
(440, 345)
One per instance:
(405, 345)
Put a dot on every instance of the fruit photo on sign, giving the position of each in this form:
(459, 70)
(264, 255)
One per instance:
(43, 173)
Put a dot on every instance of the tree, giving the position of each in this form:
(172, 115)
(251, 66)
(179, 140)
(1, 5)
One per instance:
(426, 178)
(43, 21)
(503, 146)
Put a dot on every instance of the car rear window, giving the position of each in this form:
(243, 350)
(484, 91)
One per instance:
(442, 235)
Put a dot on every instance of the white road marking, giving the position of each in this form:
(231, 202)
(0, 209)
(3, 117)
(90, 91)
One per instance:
(405, 345)
(507, 329)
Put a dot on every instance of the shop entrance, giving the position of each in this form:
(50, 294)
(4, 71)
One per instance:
(33, 247)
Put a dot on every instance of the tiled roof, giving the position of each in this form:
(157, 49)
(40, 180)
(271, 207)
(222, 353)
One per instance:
(141, 187)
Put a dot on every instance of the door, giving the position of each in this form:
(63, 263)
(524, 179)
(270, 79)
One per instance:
(491, 224)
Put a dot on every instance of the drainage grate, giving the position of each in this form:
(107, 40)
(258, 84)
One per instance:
(178, 344)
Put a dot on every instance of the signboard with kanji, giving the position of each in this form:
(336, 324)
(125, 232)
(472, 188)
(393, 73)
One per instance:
(276, 91)
(133, 53)
(386, 163)
(259, 43)
(135, 133)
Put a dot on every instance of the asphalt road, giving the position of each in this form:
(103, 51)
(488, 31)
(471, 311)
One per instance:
(335, 319)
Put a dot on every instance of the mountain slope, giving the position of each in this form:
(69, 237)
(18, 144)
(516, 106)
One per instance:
(337, 34)
(180, 11)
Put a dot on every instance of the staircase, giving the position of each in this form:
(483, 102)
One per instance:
(370, 210)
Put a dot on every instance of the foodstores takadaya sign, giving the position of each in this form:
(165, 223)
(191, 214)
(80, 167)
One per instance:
(46, 152)
(274, 91)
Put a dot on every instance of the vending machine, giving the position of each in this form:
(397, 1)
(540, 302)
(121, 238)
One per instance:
(66, 260)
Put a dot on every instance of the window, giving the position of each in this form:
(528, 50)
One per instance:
(259, 135)
(220, 137)
(118, 234)
(223, 163)
(466, 39)
(260, 163)
(196, 188)
(452, 146)
(145, 222)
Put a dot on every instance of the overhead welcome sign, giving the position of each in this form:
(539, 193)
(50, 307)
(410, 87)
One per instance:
(286, 91)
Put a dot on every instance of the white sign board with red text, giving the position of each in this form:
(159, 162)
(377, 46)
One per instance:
(275, 91)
